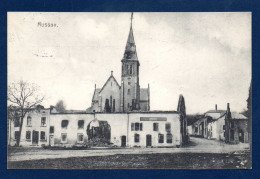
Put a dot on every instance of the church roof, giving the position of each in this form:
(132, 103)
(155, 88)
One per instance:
(108, 81)
(144, 92)
(130, 48)
(96, 93)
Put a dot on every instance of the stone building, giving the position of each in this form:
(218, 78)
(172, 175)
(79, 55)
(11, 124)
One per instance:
(47, 127)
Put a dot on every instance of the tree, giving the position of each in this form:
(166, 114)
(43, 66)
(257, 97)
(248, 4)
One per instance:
(60, 106)
(23, 97)
(12, 114)
(182, 110)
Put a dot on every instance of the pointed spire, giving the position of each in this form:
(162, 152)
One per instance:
(130, 50)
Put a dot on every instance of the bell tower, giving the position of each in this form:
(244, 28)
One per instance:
(130, 88)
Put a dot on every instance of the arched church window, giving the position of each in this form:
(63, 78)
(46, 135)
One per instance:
(114, 104)
(131, 69)
(110, 101)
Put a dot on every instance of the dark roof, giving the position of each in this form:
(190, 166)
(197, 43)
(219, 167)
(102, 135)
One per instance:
(144, 92)
(130, 49)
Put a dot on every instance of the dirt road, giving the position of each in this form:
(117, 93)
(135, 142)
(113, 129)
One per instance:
(197, 145)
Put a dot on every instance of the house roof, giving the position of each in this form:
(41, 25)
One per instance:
(235, 115)
(215, 114)
(216, 111)
(144, 92)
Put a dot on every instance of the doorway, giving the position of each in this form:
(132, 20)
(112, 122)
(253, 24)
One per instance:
(241, 136)
(123, 141)
(51, 140)
(35, 137)
(148, 141)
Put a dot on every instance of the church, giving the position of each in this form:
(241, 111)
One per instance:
(126, 96)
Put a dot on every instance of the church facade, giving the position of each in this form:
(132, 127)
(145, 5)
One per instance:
(127, 95)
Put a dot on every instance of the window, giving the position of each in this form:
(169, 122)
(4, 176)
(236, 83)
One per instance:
(137, 138)
(114, 105)
(155, 126)
(136, 126)
(224, 127)
(160, 138)
(42, 135)
(29, 121)
(128, 91)
(64, 124)
(80, 138)
(232, 134)
(131, 69)
(169, 138)
(28, 135)
(51, 129)
(64, 138)
(43, 121)
(17, 122)
(129, 83)
(168, 127)
(81, 124)
(128, 105)
(16, 135)
(196, 129)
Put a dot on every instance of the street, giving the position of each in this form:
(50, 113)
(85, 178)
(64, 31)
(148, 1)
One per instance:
(197, 145)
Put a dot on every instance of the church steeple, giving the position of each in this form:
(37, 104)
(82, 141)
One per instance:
(130, 89)
(130, 49)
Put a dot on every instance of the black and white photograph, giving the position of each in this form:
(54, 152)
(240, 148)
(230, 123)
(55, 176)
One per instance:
(129, 90)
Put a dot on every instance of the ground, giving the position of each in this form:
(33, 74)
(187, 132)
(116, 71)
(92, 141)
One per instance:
(200, 154)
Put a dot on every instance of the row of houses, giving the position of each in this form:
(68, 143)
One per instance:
(223, 125)
(47, 127)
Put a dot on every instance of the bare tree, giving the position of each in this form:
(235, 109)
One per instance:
(12, 114)
(60, 106)
(23, 97)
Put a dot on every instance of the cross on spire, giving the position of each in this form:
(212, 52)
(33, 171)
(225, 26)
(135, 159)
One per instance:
(132, 17)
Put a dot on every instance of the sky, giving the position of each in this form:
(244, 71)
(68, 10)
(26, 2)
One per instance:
(206, 57)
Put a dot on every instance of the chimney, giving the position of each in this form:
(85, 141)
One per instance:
(228, 109)
(216, 107)
(112, 73)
